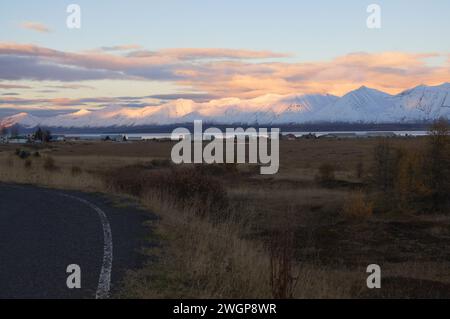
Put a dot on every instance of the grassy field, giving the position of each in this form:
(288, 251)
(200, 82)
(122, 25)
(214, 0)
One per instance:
(308, 232)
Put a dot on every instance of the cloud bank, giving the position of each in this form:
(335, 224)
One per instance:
(224, 73)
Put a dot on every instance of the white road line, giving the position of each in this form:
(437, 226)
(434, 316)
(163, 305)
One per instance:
(104, 281)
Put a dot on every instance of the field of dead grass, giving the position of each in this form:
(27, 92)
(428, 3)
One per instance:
(231, 258)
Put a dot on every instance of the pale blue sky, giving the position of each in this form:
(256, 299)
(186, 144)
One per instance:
(330, 49)
(312, 30)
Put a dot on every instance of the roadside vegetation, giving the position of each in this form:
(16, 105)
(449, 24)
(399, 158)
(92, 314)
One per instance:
(309, 232)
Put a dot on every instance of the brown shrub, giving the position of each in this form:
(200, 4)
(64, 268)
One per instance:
(23, 154)
(187, 187)
(357, 206)
(27, 164)
(49, 164)
(191, 186)
(76, 170)
(128, 180)
(326, 173)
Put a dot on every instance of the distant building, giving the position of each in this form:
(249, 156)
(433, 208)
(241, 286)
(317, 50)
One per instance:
(290, 137)
(134, 138)
(309, 136)
(57, 138)
(113, 137)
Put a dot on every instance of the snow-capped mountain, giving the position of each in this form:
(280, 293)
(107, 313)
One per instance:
(364, 105)
(361, 105)
(425, 102)
(24, 119)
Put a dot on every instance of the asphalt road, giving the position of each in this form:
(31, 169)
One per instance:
(44, 231)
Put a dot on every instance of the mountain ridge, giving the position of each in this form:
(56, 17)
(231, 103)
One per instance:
(364, 105)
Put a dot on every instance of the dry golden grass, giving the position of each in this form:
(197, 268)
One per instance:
(231, 258)
(199, 258)
(202, 259)
(357, 206)
(205, 260)
(15, 170)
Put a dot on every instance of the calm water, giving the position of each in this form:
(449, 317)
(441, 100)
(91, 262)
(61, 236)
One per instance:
(362, 133)
(149, 136)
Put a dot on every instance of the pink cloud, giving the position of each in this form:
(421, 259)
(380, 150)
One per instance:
(13, 86)
(123, 47)
(227, 72)
(35, 26)
(208, 53)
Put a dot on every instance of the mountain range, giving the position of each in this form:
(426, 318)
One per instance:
(364, 105)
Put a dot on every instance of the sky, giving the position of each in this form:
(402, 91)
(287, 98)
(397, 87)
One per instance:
(139, 53)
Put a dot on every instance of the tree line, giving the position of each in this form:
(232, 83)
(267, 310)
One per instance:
(416, 179)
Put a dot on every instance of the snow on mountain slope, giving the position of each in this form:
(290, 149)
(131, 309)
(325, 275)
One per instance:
(24, 119)
(302, 108)
(364, 105)
(425, 103)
